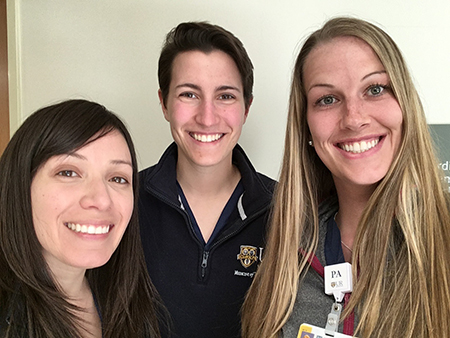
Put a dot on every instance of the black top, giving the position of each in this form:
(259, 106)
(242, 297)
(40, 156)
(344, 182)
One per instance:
(202, 286)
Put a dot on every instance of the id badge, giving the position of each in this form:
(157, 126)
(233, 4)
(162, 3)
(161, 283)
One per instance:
(310, 331)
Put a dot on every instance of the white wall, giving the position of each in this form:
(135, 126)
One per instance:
(107, 51)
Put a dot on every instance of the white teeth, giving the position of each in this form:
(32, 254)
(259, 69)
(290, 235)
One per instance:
(359, 147)
(91, 229)
(363, 146)
(206, 138)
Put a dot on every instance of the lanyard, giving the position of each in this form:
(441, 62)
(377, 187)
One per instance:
(349, 322)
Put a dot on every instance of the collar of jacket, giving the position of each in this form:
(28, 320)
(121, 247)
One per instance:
(161, 179)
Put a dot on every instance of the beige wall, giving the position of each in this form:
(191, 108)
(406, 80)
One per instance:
(107, 50)
(4, 107)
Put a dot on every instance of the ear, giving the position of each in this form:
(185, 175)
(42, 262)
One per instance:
(163, 106)
(247, 109)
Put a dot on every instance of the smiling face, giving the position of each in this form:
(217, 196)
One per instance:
(354, 119)
(205, 107)
(82, 203)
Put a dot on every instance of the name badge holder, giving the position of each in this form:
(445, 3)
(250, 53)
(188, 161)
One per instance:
(333, 320)
(338, 281)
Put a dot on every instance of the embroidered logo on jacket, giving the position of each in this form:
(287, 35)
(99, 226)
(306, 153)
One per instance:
(248, 255)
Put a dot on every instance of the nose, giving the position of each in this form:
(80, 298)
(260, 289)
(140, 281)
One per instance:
(96, 195)
(354, 115)
(207, 113)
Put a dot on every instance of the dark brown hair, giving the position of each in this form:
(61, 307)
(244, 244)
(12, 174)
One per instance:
(205, 37)
(29, 297)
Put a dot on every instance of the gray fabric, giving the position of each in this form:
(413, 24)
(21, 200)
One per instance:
(312, 305)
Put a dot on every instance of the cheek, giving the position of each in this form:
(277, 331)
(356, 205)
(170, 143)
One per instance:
(320, 126)
(393, 121)
(41, 209)
(312, 126)
(125, 204)
(237, 123)
(235, 117)
(46, 212)
(398, 120)
(387, 112)
(42, 222)
(178, 114)
(129, 211)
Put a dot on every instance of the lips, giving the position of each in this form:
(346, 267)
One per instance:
(206, 138)
(89, 229)
(359, 147)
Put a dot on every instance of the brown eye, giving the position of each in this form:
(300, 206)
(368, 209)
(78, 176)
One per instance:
(226, 97)
(67, 173)
(119, 180)
(188, 95)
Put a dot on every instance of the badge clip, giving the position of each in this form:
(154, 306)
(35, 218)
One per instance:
(333, 319)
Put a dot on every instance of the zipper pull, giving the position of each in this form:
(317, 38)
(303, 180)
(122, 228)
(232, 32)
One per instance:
(204, 262)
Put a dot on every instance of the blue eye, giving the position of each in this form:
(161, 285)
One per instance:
(376, 89)
(326, 100)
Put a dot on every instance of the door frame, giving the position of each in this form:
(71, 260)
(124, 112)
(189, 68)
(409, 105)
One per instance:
(4, 83)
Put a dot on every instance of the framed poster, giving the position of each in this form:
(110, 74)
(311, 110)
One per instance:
(441, 137)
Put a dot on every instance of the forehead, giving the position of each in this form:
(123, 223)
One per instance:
(341, 44)
(113, 142)
(199, 65)
(110, 146)
(345, 53)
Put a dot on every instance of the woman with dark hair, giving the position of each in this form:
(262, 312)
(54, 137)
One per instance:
(203, 207)
(71, 259)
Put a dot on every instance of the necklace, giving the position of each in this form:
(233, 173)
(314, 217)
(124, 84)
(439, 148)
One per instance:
(345, 245)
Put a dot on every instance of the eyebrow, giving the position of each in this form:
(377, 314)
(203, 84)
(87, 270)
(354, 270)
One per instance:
(320, 85)
(374, 73)
(226, 87)
(189, 85)
(114, 162)
(327, 85)
(119, 162)
(196, 87)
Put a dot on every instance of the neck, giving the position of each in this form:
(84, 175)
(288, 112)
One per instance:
(71, 281)
(206, 181)
(352, 202)
(76, 290)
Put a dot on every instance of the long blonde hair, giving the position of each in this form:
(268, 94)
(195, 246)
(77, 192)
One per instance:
(402, 287)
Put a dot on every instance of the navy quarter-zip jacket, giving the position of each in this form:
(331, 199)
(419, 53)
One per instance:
(203, 290)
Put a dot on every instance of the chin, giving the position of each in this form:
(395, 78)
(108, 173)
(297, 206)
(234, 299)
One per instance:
(94, 262)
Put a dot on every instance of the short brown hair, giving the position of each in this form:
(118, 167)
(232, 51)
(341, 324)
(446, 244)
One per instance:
(205, 37)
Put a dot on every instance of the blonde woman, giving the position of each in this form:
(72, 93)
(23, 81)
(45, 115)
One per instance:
(359, 184)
